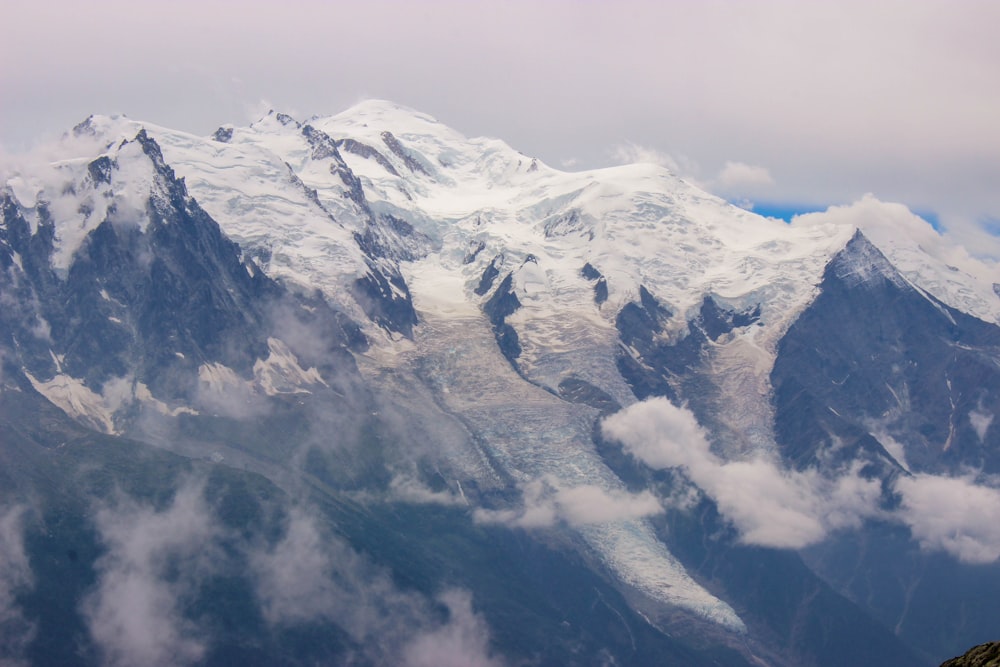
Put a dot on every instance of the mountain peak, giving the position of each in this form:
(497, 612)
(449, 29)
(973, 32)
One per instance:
(861, 262)
(378, 109)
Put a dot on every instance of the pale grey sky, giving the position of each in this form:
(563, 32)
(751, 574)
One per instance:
(789, 102)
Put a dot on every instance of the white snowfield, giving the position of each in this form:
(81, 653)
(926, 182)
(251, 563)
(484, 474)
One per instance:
(286, 201)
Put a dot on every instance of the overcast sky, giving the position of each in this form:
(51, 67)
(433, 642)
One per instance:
(793, 103)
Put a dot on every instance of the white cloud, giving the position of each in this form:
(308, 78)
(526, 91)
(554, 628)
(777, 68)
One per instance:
(293, 578)
(134, 613)
(632, 153)
(743, 178)
(775, 507)
(409, 490)
(15, 576)
(463, 641)
(545, 502)
(769, 506)
(952, 514)
(311, 575)
(981, 422)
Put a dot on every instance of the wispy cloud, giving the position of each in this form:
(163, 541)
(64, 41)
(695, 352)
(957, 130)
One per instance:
(741, 176)
(546, 502)
(16, 632)
(409, 490)
(461, 642)
(154, 560)
(310, 574)
(631, 153)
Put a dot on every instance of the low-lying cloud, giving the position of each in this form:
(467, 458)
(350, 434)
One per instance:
(154, 561)
(768, 505)
(741, 183)
(461, 642)
(952, 514)
(311, 575)
(774, 507)
(16, 632)
(157, 561)
(545, 503)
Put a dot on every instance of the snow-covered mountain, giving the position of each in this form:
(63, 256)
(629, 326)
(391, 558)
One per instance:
(591, 357)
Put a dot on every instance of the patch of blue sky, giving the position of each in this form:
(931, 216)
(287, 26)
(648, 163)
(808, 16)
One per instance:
(788, 210)
(785, 210)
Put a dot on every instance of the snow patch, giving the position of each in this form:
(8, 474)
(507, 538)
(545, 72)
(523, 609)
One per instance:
(77, 400)
(143, 394)
(281, 373)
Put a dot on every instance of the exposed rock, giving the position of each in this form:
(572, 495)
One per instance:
(984, 655)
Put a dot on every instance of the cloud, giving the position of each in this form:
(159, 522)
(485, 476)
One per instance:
(774, 507)
(461, 642)
(409, 490)
(157, 560)
(736, 175)
(742, 181)
(545, 502)
(154, 561)
(15, 575)
(294, 581)
(952, 514)
(981, 422)
(311, 575)
(768, 505)
(631, 153)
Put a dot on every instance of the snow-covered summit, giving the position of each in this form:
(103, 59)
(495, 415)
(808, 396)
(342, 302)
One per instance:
(280, 193)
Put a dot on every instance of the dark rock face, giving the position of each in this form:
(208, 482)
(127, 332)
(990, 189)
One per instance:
(396, 147)
(100, 169)
(503, 303)
(715, 321)
(589, 272)
(575, 390)
(489, 276)
(600, 282)
(984, 655)
(385, 298)
(325, 148)
(656, 366)
(390, 237)
(474, 249)
(223, 135)
(285, 119)
(872, 349)
(322, 145)
(151, 304)
(366, 151)
(642, 360)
